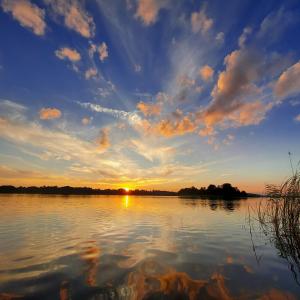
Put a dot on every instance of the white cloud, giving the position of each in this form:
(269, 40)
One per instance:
(132, 117)
(103, 51)
(137, 68)
(220, 37)
(200, 22)
(242, 39)
(91, 72)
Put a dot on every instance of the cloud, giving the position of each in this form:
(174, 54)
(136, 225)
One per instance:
(92, 50)
(132, 117)
(288, 82)
(147, 10)
(137, 68)
(58, 145)
(75, 17)
(103, 51)
(149, 109)
(242, 39)
(251, 113)
(86, 121)
(27, 14)
(200, 22)
(91, 72)
(12, 110)
(174, 127)
(220, 37)
(49, 113)
(68, 53)
(275, 24)
(297, 118)
(103, 139)
(206, 72)
(149, 151)
(243, 69)
(185, 81)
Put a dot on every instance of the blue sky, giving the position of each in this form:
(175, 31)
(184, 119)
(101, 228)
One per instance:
(154, 94)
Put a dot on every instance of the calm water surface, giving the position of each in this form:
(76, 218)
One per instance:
(129, 247)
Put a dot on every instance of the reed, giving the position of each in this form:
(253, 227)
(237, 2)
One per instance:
(280, 220)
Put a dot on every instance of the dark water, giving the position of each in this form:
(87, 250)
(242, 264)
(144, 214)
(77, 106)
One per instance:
(125, 247)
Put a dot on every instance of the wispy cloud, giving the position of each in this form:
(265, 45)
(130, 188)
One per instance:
(132, 117)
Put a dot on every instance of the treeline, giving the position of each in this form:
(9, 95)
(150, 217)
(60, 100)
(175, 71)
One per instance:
(225, 190)
(68, 190)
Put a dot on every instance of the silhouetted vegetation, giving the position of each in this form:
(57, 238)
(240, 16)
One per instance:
(280, 220)
(225, 190)
(68, 190)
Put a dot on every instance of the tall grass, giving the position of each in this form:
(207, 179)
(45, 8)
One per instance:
(280, 219)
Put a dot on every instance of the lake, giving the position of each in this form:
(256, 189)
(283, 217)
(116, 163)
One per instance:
(130, 247)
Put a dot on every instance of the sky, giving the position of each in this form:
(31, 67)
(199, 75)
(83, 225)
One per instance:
(152, 94)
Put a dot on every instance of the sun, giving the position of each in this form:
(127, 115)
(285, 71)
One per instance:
(126, 189)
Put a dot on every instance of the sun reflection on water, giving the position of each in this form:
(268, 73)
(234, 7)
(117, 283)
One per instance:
(125, 201)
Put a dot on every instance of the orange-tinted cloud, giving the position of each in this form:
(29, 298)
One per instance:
(170, 127)
(243, 68)
(68, 53)
(86, 121)
(297, 118)
(27, 14)
(200, 22)
(147, 10)
(289, 81)
(206, 72)
(103, 139)
(75, 17)
(49, 113)
(149, 109)
(275, 294)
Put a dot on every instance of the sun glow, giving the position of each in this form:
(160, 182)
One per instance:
(126, 189)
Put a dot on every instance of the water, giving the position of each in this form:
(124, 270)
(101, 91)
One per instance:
(129, 247)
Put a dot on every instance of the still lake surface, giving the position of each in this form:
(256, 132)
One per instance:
(131, 247)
